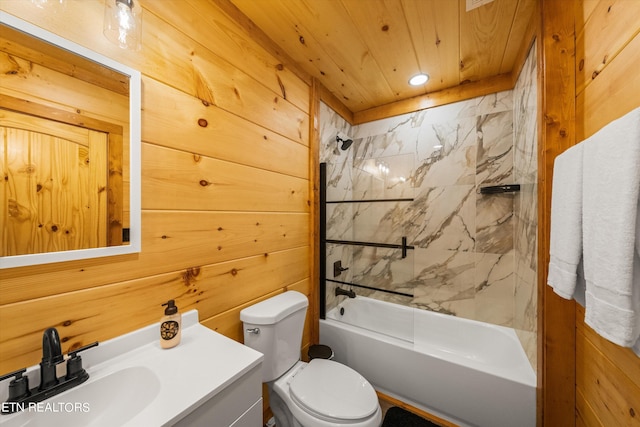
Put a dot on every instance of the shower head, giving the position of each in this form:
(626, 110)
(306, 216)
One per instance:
(346, 143)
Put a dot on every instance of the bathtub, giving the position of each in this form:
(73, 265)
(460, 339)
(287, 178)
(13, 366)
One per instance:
(467, 372)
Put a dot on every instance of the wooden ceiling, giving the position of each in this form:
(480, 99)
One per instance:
(365, 51)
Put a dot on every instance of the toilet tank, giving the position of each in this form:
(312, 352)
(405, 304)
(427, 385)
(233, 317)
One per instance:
(280, 322)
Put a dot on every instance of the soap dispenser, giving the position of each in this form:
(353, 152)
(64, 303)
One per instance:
(170, 325)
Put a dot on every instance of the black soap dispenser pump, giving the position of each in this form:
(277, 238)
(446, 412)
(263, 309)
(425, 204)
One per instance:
(170, 325)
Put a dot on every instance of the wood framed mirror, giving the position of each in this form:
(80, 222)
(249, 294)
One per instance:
(69, 150)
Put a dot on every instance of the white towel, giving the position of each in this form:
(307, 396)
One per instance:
(565, 247)
(636, 346)
(611, 191)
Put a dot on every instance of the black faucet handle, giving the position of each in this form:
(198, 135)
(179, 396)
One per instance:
(74, 362)
(19, 386)
(73, 353)
(17, 374)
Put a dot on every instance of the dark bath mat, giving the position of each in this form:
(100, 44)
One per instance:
(398, 417)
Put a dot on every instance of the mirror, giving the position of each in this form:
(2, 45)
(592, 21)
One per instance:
(69, 150)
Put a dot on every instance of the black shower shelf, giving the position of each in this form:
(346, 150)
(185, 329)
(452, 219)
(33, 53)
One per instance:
(370, 200)
(499, 189)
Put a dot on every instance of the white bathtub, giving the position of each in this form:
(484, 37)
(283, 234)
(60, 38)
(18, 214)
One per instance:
(468, 372)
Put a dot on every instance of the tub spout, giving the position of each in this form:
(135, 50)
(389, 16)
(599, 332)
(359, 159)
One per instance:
(350, 294)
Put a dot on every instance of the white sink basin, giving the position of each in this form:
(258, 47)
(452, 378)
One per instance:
(134, 382)
(107, 401)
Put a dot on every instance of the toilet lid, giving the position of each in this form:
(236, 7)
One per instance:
(329, 389)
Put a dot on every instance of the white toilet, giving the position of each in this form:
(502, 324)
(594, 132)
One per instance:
(321, 393)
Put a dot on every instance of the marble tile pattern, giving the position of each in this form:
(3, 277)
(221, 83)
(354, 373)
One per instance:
(526, 206)
(475, 255)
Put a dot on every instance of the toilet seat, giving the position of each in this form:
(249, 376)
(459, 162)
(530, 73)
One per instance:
(333, 392)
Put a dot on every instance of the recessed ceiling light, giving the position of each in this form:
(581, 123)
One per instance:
(418, 79)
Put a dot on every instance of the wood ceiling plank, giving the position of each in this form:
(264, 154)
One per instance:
(321, 38)
(484, 33)
(330, 25)
(527, 43)
(434, 30)
(383, 25)
(523, 16)
(363, 52)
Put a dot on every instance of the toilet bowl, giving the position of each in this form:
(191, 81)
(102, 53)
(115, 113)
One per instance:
(321, 393)
(324, 393)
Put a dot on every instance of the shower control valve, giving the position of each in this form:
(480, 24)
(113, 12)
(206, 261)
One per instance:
(338, 268)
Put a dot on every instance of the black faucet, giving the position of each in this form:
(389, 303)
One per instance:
(340, 291)
(19, 393)
(51, 357)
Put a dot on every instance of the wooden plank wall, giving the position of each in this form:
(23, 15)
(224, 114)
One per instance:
(226, 193)
(556, 373)
(607, 87)
(591, 58)
(61, 220)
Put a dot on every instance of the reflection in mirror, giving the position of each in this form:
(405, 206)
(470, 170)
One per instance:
(69, 150)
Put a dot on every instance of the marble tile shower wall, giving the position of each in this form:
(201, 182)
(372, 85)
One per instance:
(463, 261)
(526, 206)
(470, 249)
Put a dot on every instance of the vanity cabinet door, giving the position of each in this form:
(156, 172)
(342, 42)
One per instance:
(231, 404)
(251, 418)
